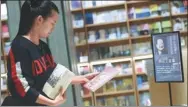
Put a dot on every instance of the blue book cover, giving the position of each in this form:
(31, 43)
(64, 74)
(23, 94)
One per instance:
(76, 4)
(89, 18)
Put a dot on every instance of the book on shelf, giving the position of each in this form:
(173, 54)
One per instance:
(141, 67)
(91, 36)
(3, 83)
(121, 101)
(165, 10)
(128, 100)
(61, 77)
(178, 7)
(83, 58)
(110, 101)
(101, 79)
(2, 67)
(110, 86)
(157, 27)
(75, 4)
(142, 82)
(78, 20)
(89, 18)
(154, 8)
(88, 4)
(101, 101)
(180, 24)
(4, 15)
(94, 55)
(120, 85)
(134, 30)
(5, 31)
(145, 99)
(142, 12)
(82, 70)
(128, 84)
(99, 68)
(166, 26)
(87, 103)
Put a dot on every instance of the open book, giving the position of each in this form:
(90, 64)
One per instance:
(101, 79)
(61, 77)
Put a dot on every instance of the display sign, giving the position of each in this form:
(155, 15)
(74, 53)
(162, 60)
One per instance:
(167, 57)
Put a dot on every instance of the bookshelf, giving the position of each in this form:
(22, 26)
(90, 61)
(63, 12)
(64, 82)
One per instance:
(133, 41)
(5, 38)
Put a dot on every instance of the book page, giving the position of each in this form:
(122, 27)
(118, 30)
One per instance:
(60, 78)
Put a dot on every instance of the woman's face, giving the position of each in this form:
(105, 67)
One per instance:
(46, 26)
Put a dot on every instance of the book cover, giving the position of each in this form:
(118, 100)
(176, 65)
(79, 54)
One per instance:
(87, 103)
(87, 4)
(131, 100)
(89, 18)
(101, 101)
(110, 86)
(110, 101)
(145, 99)
(61, 77)
(128, 84)
(119, 85)
(75, 4)
(101, 79)
(121, 101)
(2, 67)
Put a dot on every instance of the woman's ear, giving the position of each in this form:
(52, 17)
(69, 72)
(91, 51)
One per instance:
(39, 20)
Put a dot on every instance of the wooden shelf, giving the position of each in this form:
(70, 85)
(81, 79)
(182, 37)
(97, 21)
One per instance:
(141, 73)
(148, 56)
(79, 29)
(5, 38)
(110, 42)
(111, 60)
(4, 91)
(123, 76)
(105, 7)
(181, 14)
(184, 33)
(83, 64)
(141, 37)
(115, 93)
(106, 24)
(149, 18)
(76, 10)
(143, 90)
(136, 1)
(81, 45)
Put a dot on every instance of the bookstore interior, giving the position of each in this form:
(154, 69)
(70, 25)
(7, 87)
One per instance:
(116, 33)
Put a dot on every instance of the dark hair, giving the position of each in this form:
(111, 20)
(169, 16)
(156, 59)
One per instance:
(30, 10)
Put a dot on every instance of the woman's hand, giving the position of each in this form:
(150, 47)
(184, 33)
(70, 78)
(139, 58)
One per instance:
(60, 99)
(83, 78)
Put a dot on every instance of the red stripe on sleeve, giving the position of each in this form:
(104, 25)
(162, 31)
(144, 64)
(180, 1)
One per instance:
(19, 87)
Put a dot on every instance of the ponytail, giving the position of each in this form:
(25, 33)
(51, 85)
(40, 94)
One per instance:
(30, 10)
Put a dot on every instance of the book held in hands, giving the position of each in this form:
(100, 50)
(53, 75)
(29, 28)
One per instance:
(102, 78)
(61, 77)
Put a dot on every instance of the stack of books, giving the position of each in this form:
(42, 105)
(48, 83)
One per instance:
(128, 100)
(4, 11)
(152, 10)
(78, 21)
(118, 15)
